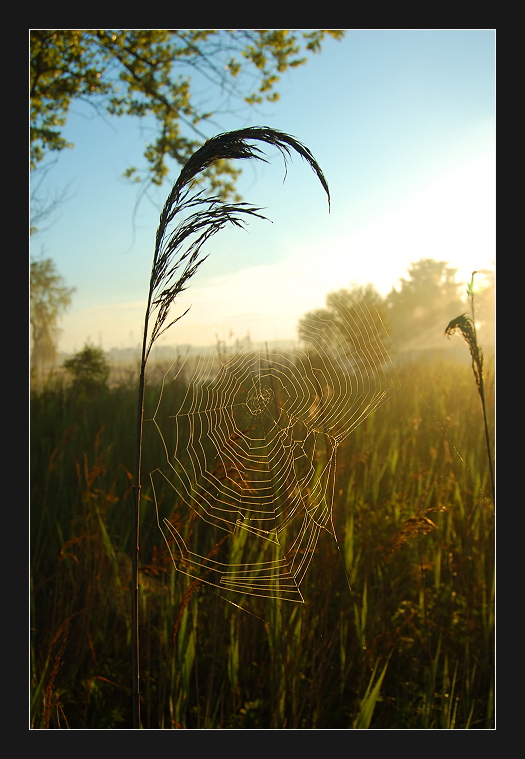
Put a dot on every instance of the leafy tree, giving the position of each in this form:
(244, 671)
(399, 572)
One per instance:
(50, 298)
(353, 321)
(317, 327)
(422, 303)
(89, 369)
(158, 72)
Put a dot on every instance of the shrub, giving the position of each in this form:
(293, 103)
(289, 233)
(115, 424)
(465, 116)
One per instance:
(89, 369)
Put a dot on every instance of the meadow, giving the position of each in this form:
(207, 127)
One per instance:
(397, 627)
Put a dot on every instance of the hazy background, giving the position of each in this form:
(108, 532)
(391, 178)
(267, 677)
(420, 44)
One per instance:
(402, 123)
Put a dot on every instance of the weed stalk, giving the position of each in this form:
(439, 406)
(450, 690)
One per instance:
(177, 257)
(467, 326)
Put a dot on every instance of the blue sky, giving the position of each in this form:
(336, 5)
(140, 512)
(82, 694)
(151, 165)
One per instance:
(402, 123)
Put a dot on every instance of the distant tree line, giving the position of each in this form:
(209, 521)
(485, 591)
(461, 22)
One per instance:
(413, 316)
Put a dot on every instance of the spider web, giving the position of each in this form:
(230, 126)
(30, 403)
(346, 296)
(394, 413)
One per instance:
(251, 440)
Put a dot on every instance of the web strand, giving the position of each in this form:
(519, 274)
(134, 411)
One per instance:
(251, 441)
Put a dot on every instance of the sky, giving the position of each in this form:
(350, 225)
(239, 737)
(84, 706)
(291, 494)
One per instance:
(402, 123)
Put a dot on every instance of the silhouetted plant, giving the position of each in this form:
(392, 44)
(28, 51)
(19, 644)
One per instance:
(466, 324)
(177, 257)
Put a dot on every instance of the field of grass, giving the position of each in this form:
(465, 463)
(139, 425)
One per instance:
(397, 628)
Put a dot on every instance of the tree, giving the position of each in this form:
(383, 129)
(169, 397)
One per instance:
(89, 369)
(422, 304)
(50, 298)
(158, 72)
(353, 322)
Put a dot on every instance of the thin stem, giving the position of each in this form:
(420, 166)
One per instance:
(135, 647)
(487, 438)
(481, 389)
(135, 565)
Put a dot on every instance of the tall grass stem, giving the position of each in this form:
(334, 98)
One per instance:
(178, 246)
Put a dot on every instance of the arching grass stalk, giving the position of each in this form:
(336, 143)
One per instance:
(178, 255)
(467, 326)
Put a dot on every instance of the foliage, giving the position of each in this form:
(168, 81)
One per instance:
(358, 306)
(89, 369)
(50, 298)
(161, 73)
(412, 314)
(418, 308)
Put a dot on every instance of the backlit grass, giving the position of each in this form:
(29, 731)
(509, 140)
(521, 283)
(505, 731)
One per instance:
(398, 625)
